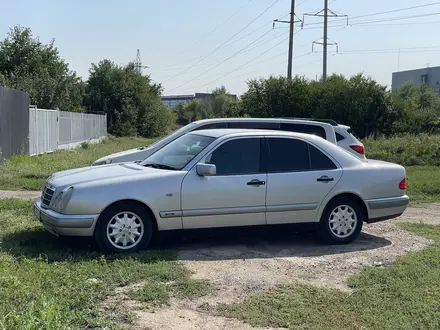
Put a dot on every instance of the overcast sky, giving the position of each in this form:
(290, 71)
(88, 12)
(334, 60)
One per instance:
(188, 47)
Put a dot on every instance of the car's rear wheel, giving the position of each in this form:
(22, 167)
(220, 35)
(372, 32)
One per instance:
(124, 227)
(342, 220)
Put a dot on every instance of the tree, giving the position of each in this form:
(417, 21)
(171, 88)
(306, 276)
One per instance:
(28, 64)
(358, 101)
(130, 100)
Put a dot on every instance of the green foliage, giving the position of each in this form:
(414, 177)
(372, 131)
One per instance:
(219, 105)
(404, 295)
(360, 102)
(405, 149)
(28, 64)
(130, 99)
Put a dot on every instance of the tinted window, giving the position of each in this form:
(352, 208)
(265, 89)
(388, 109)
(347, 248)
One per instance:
(241, 156)
(287, 155)
(212, 126)
(253, 125)
(339, 137)
(319, 161)
(302, 128)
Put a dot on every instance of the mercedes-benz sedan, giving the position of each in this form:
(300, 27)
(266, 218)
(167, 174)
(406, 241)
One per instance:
(224, 178)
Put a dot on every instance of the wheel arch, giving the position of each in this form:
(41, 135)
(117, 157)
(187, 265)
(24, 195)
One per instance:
(134, 201)
(348, 195)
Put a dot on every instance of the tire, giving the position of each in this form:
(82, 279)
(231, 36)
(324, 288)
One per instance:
(334, 230)
(120, 222)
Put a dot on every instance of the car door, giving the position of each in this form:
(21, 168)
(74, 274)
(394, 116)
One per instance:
(299, 178)
(235, 196)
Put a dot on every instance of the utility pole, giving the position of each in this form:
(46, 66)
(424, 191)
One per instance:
(324, 57)
(291, 23)
(325, 13)
(290, 58)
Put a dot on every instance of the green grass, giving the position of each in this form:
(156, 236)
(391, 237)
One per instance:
(405, 295)
(423, 183)
(406, 150)
(25, 172)
(49, 283)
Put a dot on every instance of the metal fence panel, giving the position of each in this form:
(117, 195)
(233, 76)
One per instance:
(50, 130)
(14, 122)
(43, 131)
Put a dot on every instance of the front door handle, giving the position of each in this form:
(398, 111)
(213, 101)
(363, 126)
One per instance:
(324, 178)
(256, 182)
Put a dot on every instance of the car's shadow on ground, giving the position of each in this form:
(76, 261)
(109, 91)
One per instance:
(213, 244)
(259, 242)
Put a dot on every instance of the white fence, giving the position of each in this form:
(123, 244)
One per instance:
(50, 130)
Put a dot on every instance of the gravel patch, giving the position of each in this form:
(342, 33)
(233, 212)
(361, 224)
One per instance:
(20, 194)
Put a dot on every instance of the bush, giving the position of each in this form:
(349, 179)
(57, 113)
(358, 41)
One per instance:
(406, 150)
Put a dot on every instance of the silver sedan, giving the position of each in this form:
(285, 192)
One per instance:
(224, 178)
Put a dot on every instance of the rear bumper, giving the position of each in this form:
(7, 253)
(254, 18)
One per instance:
(65, 224)
(386, 208)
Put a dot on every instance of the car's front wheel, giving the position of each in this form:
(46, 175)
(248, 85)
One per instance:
(124, 227)
(342, 220)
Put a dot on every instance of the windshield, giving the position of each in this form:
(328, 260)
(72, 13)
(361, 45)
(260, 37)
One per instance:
(167, 139)
(179, 152)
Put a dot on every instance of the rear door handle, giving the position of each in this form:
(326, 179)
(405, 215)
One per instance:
(256, 182)
(324, 178)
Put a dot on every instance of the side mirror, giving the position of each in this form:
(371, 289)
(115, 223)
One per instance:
(206, 169)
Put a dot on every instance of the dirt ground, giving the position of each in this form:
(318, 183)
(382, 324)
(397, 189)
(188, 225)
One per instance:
(243, 262)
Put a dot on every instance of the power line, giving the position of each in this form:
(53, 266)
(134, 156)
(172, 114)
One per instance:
(385, 12)
(217, 27)
(212, 68)
(216, 49)
(246, 62)
(367, 22)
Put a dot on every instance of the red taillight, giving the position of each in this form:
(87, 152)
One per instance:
(359, 149)
(402, 184)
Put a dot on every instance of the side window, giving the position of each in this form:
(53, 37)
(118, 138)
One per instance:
(339, 137)
(254, 125)
(212, 126)
(240, 156)
(319, 161)
(303, 128)
(288, 155)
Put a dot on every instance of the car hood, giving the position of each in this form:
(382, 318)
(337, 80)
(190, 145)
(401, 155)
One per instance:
(99, 173)
(128, 155)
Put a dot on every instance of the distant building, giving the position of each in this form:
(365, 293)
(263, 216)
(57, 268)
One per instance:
(173, 100)
(430, 76)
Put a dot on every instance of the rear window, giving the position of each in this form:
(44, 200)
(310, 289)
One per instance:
(303, 128)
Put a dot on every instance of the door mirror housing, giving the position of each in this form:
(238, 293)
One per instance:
(206, 169)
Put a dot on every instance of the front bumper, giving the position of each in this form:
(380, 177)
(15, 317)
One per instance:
(386, 208)
(65, 224)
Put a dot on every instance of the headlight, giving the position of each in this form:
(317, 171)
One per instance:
(62, 200)
(103, 162)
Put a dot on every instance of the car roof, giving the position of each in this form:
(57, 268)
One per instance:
(264, 120)
(220, 132)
